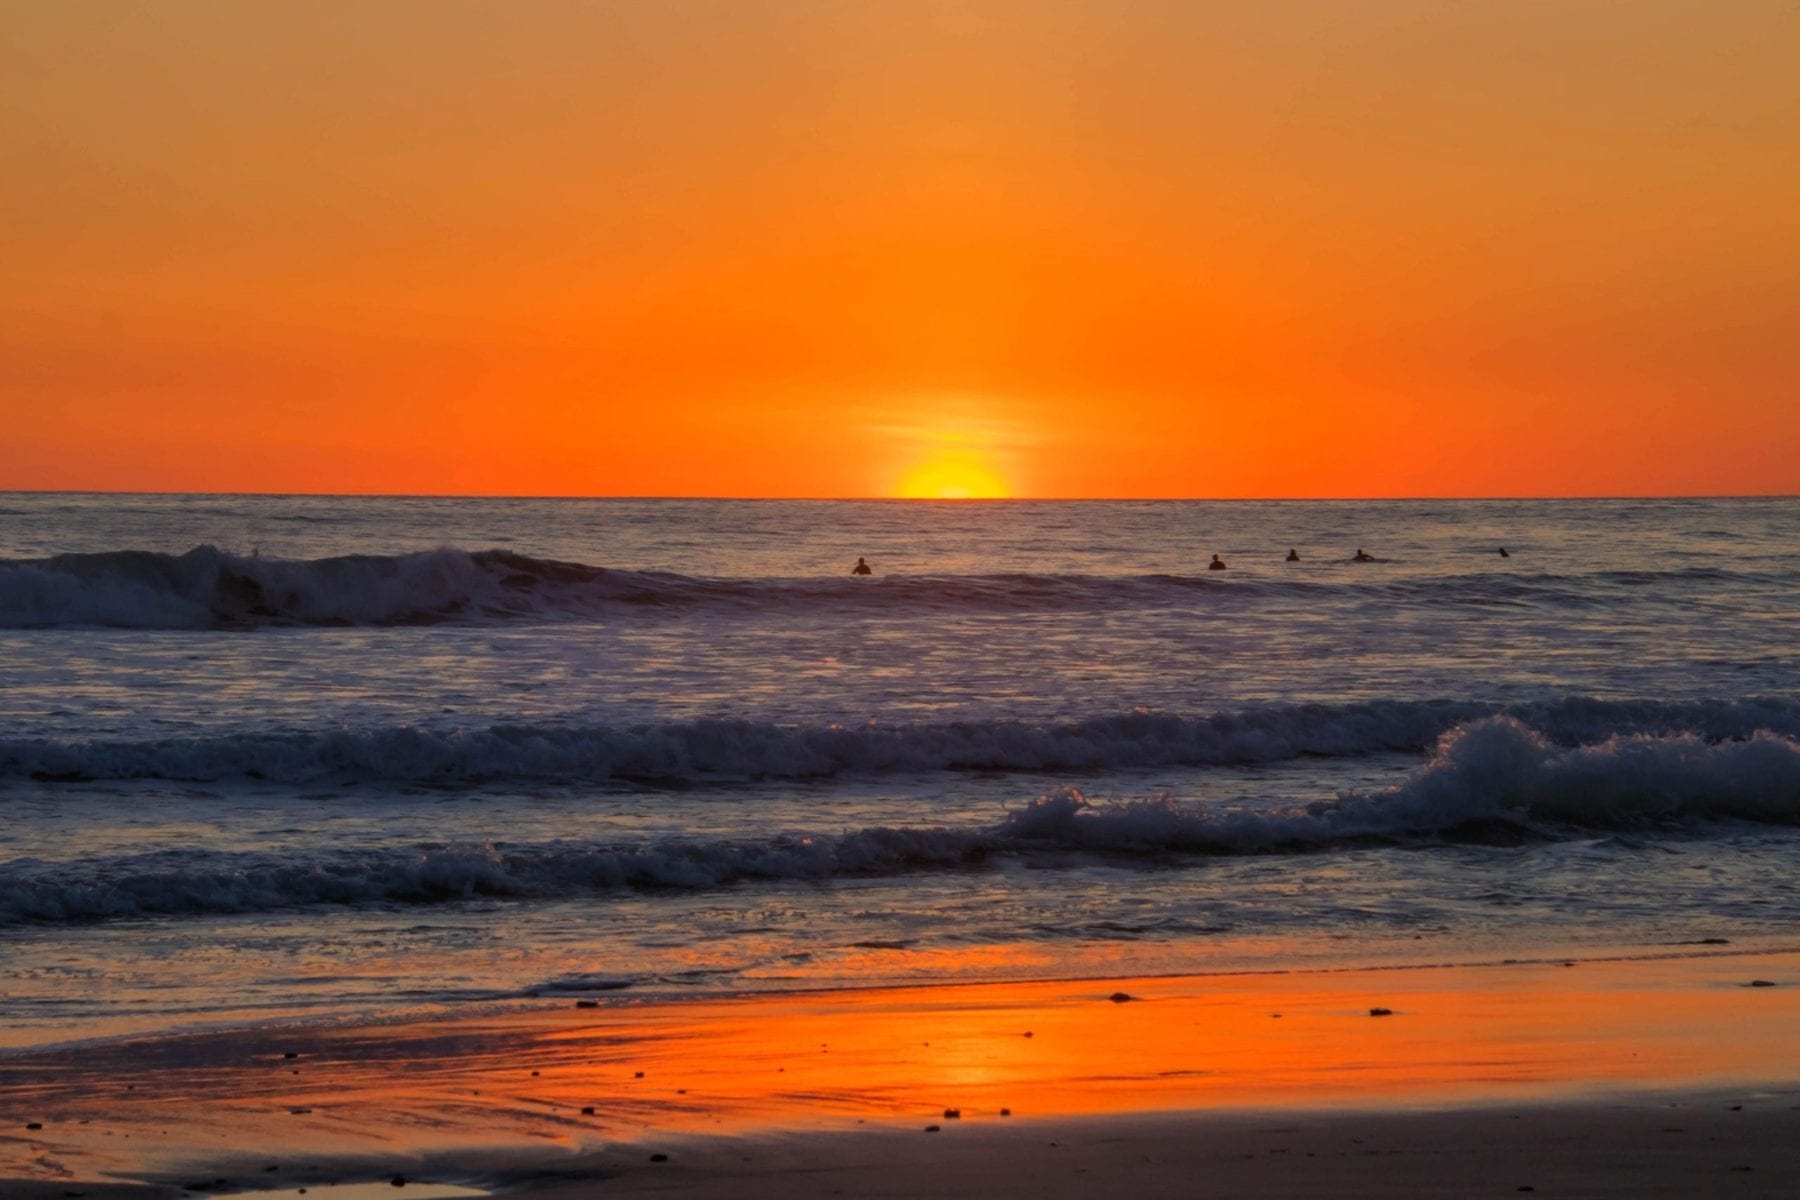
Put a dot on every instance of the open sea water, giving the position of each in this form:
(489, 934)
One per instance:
(272, 759)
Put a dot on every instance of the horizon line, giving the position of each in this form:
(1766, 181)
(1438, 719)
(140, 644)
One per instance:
(1281, 499)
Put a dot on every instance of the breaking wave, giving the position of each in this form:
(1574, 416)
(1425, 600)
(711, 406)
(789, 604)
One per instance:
(1493, 780)
(209, 588)
(713, 750)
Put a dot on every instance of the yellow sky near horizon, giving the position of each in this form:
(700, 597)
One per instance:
(879, 247)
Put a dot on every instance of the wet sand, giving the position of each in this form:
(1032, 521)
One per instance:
(1650, 1076)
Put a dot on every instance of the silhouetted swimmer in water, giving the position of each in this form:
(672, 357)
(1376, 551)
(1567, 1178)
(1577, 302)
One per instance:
(1217, 564)
(1503, 553)
(861, 568)
(1363, 556)
(1293, 556)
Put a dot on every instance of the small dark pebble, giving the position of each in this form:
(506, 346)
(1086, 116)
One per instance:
(35, 1125)
(1381, 1012)
(587, 1004)
(1121, 997)
(933, 1128)
(398, 1181)
(534, 1074)
(588, 1111)
(1737, 1108)
(681, 1091)
(1713, 942)
(1762, 983)
(1028, 1033)
(1006, 1112)
(298, 1112)
(659, 1158)
(271, 1167)
(639, 1075)
(953, 1114)
(291, 1054)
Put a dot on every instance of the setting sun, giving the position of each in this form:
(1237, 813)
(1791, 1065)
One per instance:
(953, 475)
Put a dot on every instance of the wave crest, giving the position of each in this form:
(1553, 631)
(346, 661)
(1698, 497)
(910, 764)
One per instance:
(1494, 779)
(209, 588)
(702, 751)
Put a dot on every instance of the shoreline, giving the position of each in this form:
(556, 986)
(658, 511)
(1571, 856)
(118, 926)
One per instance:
(560, 1092)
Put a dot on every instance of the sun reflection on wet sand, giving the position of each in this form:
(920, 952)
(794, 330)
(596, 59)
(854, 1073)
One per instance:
(571, 1078)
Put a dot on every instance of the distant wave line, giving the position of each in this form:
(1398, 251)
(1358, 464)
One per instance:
(209, 588)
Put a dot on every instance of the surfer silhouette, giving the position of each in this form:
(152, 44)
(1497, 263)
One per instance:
(1293, 556)
(861, 568)
(1217, 564)
(1363, 556)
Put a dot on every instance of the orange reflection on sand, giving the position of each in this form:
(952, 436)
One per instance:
(579, 1077)
(1049, 1049)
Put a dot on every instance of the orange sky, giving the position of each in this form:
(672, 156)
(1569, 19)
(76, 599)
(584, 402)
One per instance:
(867, 247)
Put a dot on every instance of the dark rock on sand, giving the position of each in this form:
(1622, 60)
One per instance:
(1121, 997)
(1762, 983)
(588, 1111)
(659, 1158)
(587, 1004)
(35, 1125)
(1381, 1012)
(933, 1128)
(953, 1114)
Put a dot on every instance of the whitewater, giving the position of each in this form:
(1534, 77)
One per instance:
(324, 758)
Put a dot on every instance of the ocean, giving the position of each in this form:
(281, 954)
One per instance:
(267, 760)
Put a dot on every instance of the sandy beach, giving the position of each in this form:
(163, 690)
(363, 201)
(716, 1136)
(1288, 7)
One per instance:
(1666, 1074)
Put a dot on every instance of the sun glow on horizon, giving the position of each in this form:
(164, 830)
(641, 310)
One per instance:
(953, 475)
